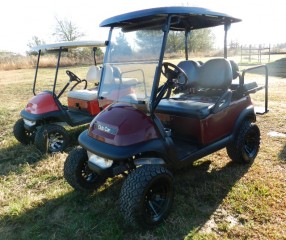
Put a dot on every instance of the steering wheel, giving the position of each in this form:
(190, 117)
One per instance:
(176, 77)
(172, 72)
(73, 77)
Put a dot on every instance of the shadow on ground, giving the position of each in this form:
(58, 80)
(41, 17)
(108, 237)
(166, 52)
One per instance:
(199, 192)
(12, 159)
(275, 69)
(282, 154)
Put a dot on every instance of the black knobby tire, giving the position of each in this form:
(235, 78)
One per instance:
(77, 173)
(51, 138)
(246, 145)
(21, 134)
(147, 196)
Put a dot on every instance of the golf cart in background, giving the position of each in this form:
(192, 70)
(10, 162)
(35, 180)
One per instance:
(177, 113)
(43, 119)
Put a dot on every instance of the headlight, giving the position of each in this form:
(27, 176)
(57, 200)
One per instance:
(29, 123)
(99, 161)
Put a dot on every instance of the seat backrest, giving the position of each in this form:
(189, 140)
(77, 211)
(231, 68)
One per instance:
(108, 74)
(116, 72)
(191, 70)
(93, 74)
(215, 74)
(235, 69)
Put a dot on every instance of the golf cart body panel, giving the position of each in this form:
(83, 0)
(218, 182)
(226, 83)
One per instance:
(198, 132)
(42, 103)
(122, 128)
(201, 130)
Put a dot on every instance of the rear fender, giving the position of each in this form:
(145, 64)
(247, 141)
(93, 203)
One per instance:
(246, 114)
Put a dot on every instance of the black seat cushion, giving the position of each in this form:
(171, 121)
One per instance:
(186, 108)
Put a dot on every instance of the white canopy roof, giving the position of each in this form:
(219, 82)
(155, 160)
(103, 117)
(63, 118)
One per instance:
(73, 44)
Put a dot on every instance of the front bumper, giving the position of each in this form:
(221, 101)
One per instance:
(29, 125)
(117, 153)
(36, 117)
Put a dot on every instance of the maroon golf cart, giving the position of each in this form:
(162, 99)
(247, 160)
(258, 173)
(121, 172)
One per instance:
(177, 112)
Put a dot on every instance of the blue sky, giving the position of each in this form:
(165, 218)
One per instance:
(263, 21)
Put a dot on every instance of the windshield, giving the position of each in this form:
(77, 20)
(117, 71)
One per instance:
(129, 69)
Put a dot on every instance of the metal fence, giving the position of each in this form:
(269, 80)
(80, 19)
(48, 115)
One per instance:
(255, 54)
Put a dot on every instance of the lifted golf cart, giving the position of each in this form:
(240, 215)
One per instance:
(176, 113)
(43, 118)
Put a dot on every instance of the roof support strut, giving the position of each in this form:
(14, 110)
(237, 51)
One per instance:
(226, 28)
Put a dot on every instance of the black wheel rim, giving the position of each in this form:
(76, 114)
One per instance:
(87, 175)
(55, 141)
(30, 135)
(251, 143)
(157, 201)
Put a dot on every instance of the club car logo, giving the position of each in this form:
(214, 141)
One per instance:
(105, 128)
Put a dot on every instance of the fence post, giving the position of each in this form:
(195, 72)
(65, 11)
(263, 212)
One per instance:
(269, 53)
(249, 58)
(241, 53)
(259, 53)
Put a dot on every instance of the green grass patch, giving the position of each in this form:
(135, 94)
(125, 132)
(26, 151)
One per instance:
(215, 198)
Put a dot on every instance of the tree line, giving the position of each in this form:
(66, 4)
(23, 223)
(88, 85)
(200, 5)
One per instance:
(199, 41)
(65, 30)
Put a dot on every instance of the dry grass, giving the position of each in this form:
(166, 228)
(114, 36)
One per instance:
(215, 199)
(14, 62)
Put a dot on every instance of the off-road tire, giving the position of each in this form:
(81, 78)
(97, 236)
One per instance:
(146, 188)
(77, 173)
(51, 138)
(21, 134)
(246, 145)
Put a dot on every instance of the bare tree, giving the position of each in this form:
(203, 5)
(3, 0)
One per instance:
(66, 31)
(35, 42)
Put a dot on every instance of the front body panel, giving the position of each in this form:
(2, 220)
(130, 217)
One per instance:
(123, 125)
(43, 102)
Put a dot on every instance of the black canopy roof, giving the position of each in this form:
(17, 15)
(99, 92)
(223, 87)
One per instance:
(183, 18)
